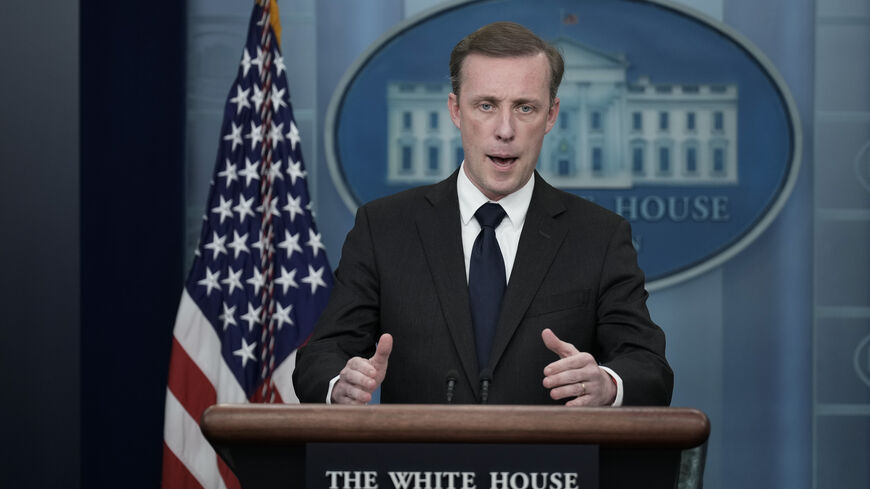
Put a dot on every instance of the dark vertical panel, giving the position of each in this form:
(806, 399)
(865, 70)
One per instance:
(132, 72)
(39, 223)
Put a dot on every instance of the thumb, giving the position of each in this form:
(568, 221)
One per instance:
(557, 346)
(382, 354)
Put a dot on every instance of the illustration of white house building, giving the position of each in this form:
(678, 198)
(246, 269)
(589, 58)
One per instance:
(609, 133)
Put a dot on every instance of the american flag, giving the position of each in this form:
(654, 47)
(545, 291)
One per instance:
(260, 277)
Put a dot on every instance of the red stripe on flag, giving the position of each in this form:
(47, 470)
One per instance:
(188, 384)
(229, 478)
(175, 473)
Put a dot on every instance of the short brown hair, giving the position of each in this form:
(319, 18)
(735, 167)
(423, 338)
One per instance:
(505, 40)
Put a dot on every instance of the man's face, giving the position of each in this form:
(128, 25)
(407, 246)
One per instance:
(503, 113)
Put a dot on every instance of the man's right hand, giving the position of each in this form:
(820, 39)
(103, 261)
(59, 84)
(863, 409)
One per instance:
(360, 377)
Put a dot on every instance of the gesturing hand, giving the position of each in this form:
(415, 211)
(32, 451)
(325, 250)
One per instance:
(576, 375)
(360, 377)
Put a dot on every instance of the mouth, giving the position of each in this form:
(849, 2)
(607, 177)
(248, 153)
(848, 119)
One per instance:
(502, 161)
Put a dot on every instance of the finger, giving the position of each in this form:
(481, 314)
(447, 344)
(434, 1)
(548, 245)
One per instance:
(344, 393)
(581, 401)
(572, 376)
(569, 391)
(579, 361)
(361, 365)
(382, 354)
(557, 346)
(358, 379)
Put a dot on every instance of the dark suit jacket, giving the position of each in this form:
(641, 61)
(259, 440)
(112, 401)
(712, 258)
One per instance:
(402, 272)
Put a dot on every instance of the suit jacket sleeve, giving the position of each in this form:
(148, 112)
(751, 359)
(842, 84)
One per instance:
(349, 324)
(630, 343)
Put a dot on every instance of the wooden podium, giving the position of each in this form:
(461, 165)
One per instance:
(265, 445)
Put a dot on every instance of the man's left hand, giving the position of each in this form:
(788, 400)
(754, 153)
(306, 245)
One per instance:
(576, 375)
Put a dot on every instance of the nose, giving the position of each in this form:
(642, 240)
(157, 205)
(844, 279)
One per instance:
(504, 130)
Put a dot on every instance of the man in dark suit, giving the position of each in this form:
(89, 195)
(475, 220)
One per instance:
(417, 304)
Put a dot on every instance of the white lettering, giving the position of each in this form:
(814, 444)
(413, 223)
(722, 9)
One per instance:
(702, 210)
(627, 207)
(401, 480)
(571, 480)
(498, 480)
(720, 209)
(332, 474)
(652, 208)
(519, 480)
(468, 480)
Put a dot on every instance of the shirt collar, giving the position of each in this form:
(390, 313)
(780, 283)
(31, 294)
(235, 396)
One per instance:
(515, 205)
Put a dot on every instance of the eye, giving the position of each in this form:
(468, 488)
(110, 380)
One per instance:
(526, 109)
(486, 106)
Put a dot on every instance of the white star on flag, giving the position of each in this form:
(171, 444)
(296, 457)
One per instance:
(233, 280)
(228, 317)
(210, 281)
(241, 99)
(244, 208)
(229, 173)
(290, 243)
(314, 241)
(282, 315)
(314, 278)
(293, 136)
(294, 169)
(287, 279)
(246, 352)
(223, 209)
(294, 207)
(239, 244)
(216, 245)
(235, 136)
(256, 134)
(252, 316)
(251, 171)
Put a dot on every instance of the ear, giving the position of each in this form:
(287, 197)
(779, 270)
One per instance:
(453, 107)
(552, 114)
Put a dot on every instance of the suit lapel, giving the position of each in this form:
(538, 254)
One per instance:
(441, 237)
(540, 240)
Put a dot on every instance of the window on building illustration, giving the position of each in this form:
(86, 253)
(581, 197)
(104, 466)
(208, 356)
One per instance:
(433, 120)
(718, 121)
(595, 121)
(664, 159)
(597, 160)
(637, 160)
(690, 121)
(636, 121)
(691, 160)
(406, 120)
(432, 163)
(718, 161)
(564, 122)
(407, 161)
(459, 156)
(663, 121)
(563, 168)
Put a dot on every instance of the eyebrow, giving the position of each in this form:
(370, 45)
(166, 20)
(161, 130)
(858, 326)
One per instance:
(519, 101)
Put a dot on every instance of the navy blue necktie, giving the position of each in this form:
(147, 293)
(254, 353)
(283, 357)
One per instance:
(486, 280)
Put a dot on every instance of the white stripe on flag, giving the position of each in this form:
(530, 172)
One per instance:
(199, 339)
(283, 379)
(182, 435)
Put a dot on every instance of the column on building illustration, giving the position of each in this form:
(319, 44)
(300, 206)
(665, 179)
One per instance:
(423, 143)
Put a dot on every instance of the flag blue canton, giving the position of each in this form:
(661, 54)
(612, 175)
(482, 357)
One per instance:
(260, 274)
